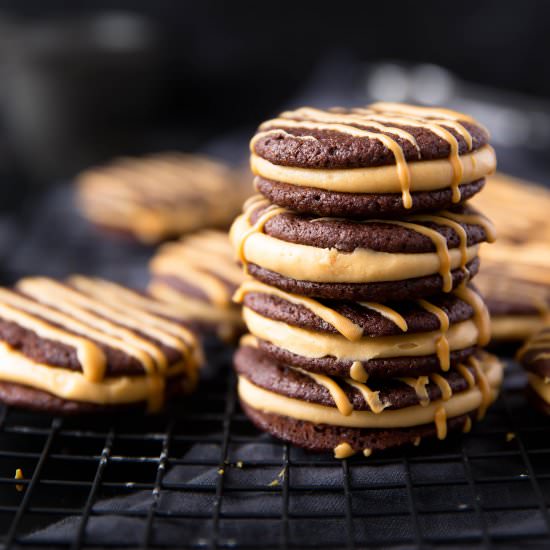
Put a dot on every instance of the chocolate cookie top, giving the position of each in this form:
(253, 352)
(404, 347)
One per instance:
(198, 275)
(99, 330)
(348, 395)
(365, 137)
(355, 318)
(411, 235)
(160, 196)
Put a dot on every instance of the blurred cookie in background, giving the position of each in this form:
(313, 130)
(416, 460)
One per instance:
(515, 271)
(161, 196)
(519, 306)
(534, 357)
(199, 275)
(519, 210)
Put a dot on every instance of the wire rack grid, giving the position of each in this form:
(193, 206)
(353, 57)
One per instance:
(203, 477)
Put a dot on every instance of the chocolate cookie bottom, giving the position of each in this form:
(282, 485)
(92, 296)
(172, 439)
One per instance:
(407, 289)
(325, 438)
(311, 200)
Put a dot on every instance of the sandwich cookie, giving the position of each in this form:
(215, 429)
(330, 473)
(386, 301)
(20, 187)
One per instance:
(534, 356)
(197, 276)
(360, 340)
(386, 159)
(374, 260)
(321, 413)
(161, 196)
(89, 345)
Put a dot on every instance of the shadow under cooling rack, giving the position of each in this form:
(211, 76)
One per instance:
(203, 477)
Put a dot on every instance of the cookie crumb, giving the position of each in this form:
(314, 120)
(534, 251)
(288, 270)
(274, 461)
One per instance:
(19, 475)
(221, 472)
(510, 436)
(239, 464)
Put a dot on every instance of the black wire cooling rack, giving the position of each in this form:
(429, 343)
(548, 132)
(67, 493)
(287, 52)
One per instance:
(203, 477)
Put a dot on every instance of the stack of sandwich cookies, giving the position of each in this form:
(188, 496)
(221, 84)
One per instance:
(364, 331)
(90, 345)
(197, 277)
(161, 196)
(535, 359)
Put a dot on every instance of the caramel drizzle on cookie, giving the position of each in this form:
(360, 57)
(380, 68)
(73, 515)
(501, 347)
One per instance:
(442, 345)
(484, 387)
(338, 395)
(341, 323)
(250, 206)
(205, 261)
(481, 314)
(419, 385)
(381, 119)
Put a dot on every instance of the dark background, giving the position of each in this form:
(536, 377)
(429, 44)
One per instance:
(83, 81)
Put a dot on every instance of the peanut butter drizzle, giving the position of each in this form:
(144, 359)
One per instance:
(419, 385)
(457, 228)
(388, 313)
(35, 317)
(467, 375)
(367, 452)
(144, 309)
(433, 120)
(400, 161)
(442, 346)
(481, 314)
(444, 386)
(372, 398)
(467, 425)
(441, 423)
(248, 340)
(336, 392)
(343, 450)
(357, 372)
(474, 219)
(250, 206)
(86, 310)
(341, 323)
(440, 243)
(484, 387)
(317, 115)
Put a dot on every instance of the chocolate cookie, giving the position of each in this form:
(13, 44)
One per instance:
(197, 276)
(161, 196)
(370, 260)
(386, 159)
(310, 200)
(323, 413)
(86, 345)
(363, 339)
